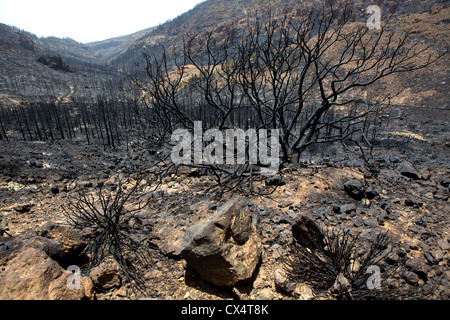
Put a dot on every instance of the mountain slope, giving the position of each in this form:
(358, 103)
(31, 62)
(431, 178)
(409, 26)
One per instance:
(426, 21)
(26, 75)
(225, 17)
(95, 65)
(110, 48)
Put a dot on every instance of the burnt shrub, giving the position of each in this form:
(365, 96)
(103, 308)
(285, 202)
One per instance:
(319, 256)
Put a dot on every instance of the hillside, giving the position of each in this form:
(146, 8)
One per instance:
(111, 48)
(224, 17)
(95, 64)
(23, 76)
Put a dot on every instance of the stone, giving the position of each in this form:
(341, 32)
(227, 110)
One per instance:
(23, 207)
(282, 282)
(443, 244)
(303, 292)
(275, 181)
(84, 184)
(3, 225)
(122, 292)
(371, 193)
(355, 189)
(53, 248)
(33, 275)
(224, 249)
(28, 275)
(72, 241)
(411, 278)
(277, 251)
(407, 169)
(445, 182)
(391, 258)
(291, 214)
(438, 255)
(358, 221)
(58, 289)
(371, 222)
(54, 190)
(429, 257)
(441, 195)
(168, 239)
(348, 208)
(419, 267)
(88, 287)
(341, 285)
(106, 275)
(285, 204)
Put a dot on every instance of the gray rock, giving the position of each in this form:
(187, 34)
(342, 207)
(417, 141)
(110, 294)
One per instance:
(441, 195)
(371, 222)
(168, 238)
(438, 255)
(291, 214)
(358, 222)
(411, 277)
(285, 204)
(275, 181)
(391, 258)
(419, 267)
(3, 225)
(348, 208)
(224, 249)
(429, 257)
(23, 207)
(84, 184)
(371, 193)
(445, 182)
(354, 189)
(407, 169)
(443, 244)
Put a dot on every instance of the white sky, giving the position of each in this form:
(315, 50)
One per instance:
(89, 20)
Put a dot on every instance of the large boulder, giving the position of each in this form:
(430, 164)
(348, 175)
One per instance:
(72, 241)
(33, 275)
(225, 249)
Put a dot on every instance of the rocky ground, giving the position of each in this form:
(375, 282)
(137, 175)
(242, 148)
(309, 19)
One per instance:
(404, 191)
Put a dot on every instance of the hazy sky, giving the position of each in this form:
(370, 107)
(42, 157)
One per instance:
(89, 20)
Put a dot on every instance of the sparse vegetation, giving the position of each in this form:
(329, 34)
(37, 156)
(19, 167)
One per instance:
(107, 219)
(319, 256)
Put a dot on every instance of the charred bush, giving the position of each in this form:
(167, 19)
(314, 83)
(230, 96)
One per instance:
(106, 219)
(320, 257)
